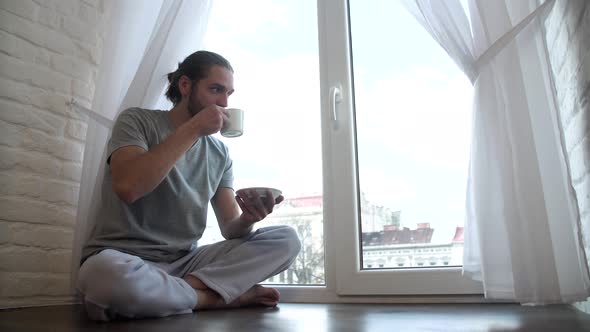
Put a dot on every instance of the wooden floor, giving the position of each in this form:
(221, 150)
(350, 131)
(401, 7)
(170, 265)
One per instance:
(316, 317)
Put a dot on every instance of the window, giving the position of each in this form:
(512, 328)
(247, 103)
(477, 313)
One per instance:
(398, 151)
(367, 140)
(412, 119)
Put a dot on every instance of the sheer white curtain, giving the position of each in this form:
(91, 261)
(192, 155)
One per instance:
(522, 228)
(144, 41)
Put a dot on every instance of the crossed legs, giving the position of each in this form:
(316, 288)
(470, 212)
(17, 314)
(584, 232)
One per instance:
(220, 275)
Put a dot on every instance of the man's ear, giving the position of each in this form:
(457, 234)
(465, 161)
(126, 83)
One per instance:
(185, 86)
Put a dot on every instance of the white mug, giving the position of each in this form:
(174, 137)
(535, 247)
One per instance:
(234, 125)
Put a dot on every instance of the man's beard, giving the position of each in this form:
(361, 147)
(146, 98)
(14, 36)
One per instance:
(195, 108)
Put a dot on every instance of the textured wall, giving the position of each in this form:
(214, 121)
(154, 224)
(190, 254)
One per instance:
(568, 39)
(49, 53)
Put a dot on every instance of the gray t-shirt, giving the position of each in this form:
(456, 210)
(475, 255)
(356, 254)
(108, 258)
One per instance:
(165, 224)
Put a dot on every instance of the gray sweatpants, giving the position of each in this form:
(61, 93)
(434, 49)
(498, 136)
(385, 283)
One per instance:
(115, 284)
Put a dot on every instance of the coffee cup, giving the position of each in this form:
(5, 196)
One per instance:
(233, 126)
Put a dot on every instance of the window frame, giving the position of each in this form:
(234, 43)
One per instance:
(341, 199)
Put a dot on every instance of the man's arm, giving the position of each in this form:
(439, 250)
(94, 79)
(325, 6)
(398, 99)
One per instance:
(227, 210)
(228, 214)
(136, 172)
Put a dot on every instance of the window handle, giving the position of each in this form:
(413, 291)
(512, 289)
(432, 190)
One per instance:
(335, 98)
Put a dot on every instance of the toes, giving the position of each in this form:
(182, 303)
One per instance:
(269, 303)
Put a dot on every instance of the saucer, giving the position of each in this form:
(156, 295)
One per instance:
(261, 191)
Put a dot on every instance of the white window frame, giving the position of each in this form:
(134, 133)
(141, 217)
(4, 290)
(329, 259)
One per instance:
(344, 276)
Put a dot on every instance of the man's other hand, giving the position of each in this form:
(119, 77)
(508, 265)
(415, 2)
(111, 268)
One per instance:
(255, 207)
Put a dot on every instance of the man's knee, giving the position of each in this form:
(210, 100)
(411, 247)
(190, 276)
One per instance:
(107, 279)
(294, 241)
(124, 285)
(289, 240)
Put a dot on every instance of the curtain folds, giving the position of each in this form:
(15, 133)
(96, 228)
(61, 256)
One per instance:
(143, 42)
(522, 227)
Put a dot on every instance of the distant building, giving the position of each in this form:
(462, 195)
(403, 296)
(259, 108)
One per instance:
(394, 248)
(385, 243)
(299, 212)
(393, 235)
(375, 218)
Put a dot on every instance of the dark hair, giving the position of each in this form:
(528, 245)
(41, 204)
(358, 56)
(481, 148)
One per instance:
(196, 67)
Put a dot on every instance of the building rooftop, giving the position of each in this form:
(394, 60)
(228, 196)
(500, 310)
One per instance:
(392, 235)
(458, 235)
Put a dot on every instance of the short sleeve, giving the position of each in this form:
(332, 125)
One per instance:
(129, 130)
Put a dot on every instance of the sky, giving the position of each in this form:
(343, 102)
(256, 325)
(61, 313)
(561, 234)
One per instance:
(413, 106)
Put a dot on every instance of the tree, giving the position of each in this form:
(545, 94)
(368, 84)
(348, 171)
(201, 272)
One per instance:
(308, 267)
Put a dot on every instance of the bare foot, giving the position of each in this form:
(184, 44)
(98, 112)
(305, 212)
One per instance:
(209, 299)
(258, 295)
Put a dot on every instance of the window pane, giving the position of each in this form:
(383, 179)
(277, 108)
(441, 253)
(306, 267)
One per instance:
(412, 108)
(273, 47)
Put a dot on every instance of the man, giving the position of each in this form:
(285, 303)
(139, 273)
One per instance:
(164, 167)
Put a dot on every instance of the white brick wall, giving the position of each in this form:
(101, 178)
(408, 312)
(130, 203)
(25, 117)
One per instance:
(49, 53)
(568, 38)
